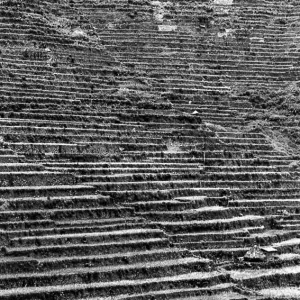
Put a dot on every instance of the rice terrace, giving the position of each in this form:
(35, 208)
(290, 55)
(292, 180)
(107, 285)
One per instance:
(149, 150)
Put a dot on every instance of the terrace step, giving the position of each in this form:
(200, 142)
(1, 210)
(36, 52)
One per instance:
(212, 225)
(230, 243)
(265, 202)
(264, 278)
(208, 235)
(35, 178)
(129, 196)
(199, 174)
(288, 246)
(244, 158)
(118, 287)
(267, 193)
(66, 124)
(251, 169)
(169, 205)
(116, 173)
(59, 138)
(202, 213)
(125, 225)
(221, 254)
(119, 165)
(92, 237)
(26, 224)
(177, 204)
(66, 213)
(81, 148)
(136, 271)
(289, 227)
(220, 290)
(42, 191)
(197, 184)
(223, 295)
(96, 222)
(82, 201)
(283, 292)
(11, 265)
(163, 175)
(11, 158)
(21, 167)
(88, 249)
(201, 201)
(295, 217)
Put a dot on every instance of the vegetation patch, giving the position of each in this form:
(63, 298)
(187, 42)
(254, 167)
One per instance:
(276, 115)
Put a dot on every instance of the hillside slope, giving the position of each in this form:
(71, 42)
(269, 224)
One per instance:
(137, 160)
